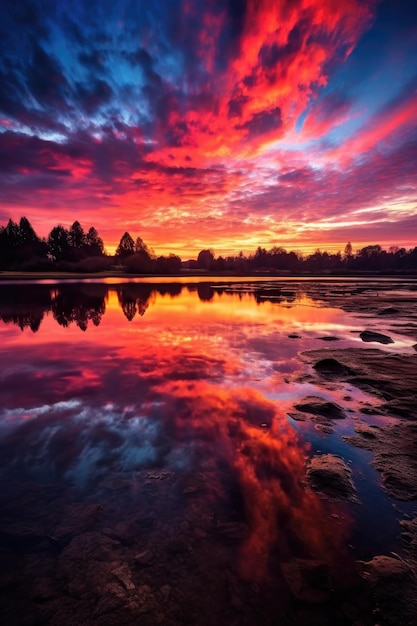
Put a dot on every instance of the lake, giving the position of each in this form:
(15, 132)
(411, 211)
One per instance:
(153, 466)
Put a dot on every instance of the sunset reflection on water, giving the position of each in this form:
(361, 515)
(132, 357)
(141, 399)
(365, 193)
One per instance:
(181, 394)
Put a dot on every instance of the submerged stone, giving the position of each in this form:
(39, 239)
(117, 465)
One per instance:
(329, 338)
(308, 580)
(330, 475)
(391, 310)
(317, 406)
(331, 367)
(372, 336)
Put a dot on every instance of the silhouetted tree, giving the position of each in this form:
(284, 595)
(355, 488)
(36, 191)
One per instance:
(76, 236)
(93, 243)
(205, 259)
(141, 248)
(348, 252)
(126, 246)
(167, 264)
(58, 243)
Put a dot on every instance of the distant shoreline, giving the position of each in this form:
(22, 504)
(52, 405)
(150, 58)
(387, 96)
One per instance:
(78, 276)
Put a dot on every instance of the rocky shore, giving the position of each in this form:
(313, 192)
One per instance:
(391, 378)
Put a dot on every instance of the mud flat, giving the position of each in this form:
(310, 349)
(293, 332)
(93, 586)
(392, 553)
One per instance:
(391, 378)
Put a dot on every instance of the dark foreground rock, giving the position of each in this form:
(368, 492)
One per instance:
(308, 580)
(393, 585)
(329, 474)
(317, 406)
(370, 336)
(391, 377)
(409, 535)
(394, 448)
(331, 367)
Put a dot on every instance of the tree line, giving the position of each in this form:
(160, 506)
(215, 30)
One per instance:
(74, 249)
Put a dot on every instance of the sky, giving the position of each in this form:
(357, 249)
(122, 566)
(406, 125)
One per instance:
(222, 124)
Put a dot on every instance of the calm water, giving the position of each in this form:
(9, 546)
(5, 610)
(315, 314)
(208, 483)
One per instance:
(148, 464)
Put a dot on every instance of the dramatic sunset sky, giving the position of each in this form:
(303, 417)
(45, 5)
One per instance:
(212, 123)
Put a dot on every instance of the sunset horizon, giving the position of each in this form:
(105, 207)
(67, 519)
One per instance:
(221, 125)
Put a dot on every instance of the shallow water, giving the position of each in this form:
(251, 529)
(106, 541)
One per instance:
(153, 418)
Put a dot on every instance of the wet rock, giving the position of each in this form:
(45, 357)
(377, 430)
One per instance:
(307, 579)
(144, 558)
(366, 430)
(124, 575)
(126, 532)
(383, 568)
(329, 338)
(112, 599)
(393, 585)
(230, 532)
(409, 534)
(159, 474)
(165, 592)
(324, 428)
(87, 562)
(77, 518)
(297, 416)
(144, 601)
(317, 406)
(391, 310)
(91, 545)
(330, 475)
(390, 376)
(371, 336)
(394, 456)
(330, 367)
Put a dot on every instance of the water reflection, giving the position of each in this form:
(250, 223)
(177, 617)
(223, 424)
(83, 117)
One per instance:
(158, 443)
(26, 305)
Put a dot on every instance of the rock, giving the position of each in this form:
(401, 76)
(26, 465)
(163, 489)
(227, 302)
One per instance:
(77, 518)
(297, 416)
(124, 575)
(331, 367)
(329, 474)
(383, 568)
(390, 376)
(145, 601)
(230, 532)
(113, 598)
(392, 582)
(144, 558)
(324, 428)
(125, 531)
(159, 474)
(294, 336)
(391, 310)
(409, 534)
(394, 456)
(307, 579)
(329, 338)
(370, 335)
(365, 430)
(318, 406)
(165, 592)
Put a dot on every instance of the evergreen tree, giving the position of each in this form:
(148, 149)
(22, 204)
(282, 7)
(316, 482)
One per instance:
(126, 246)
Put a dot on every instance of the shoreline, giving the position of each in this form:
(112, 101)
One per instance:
(6, 275)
